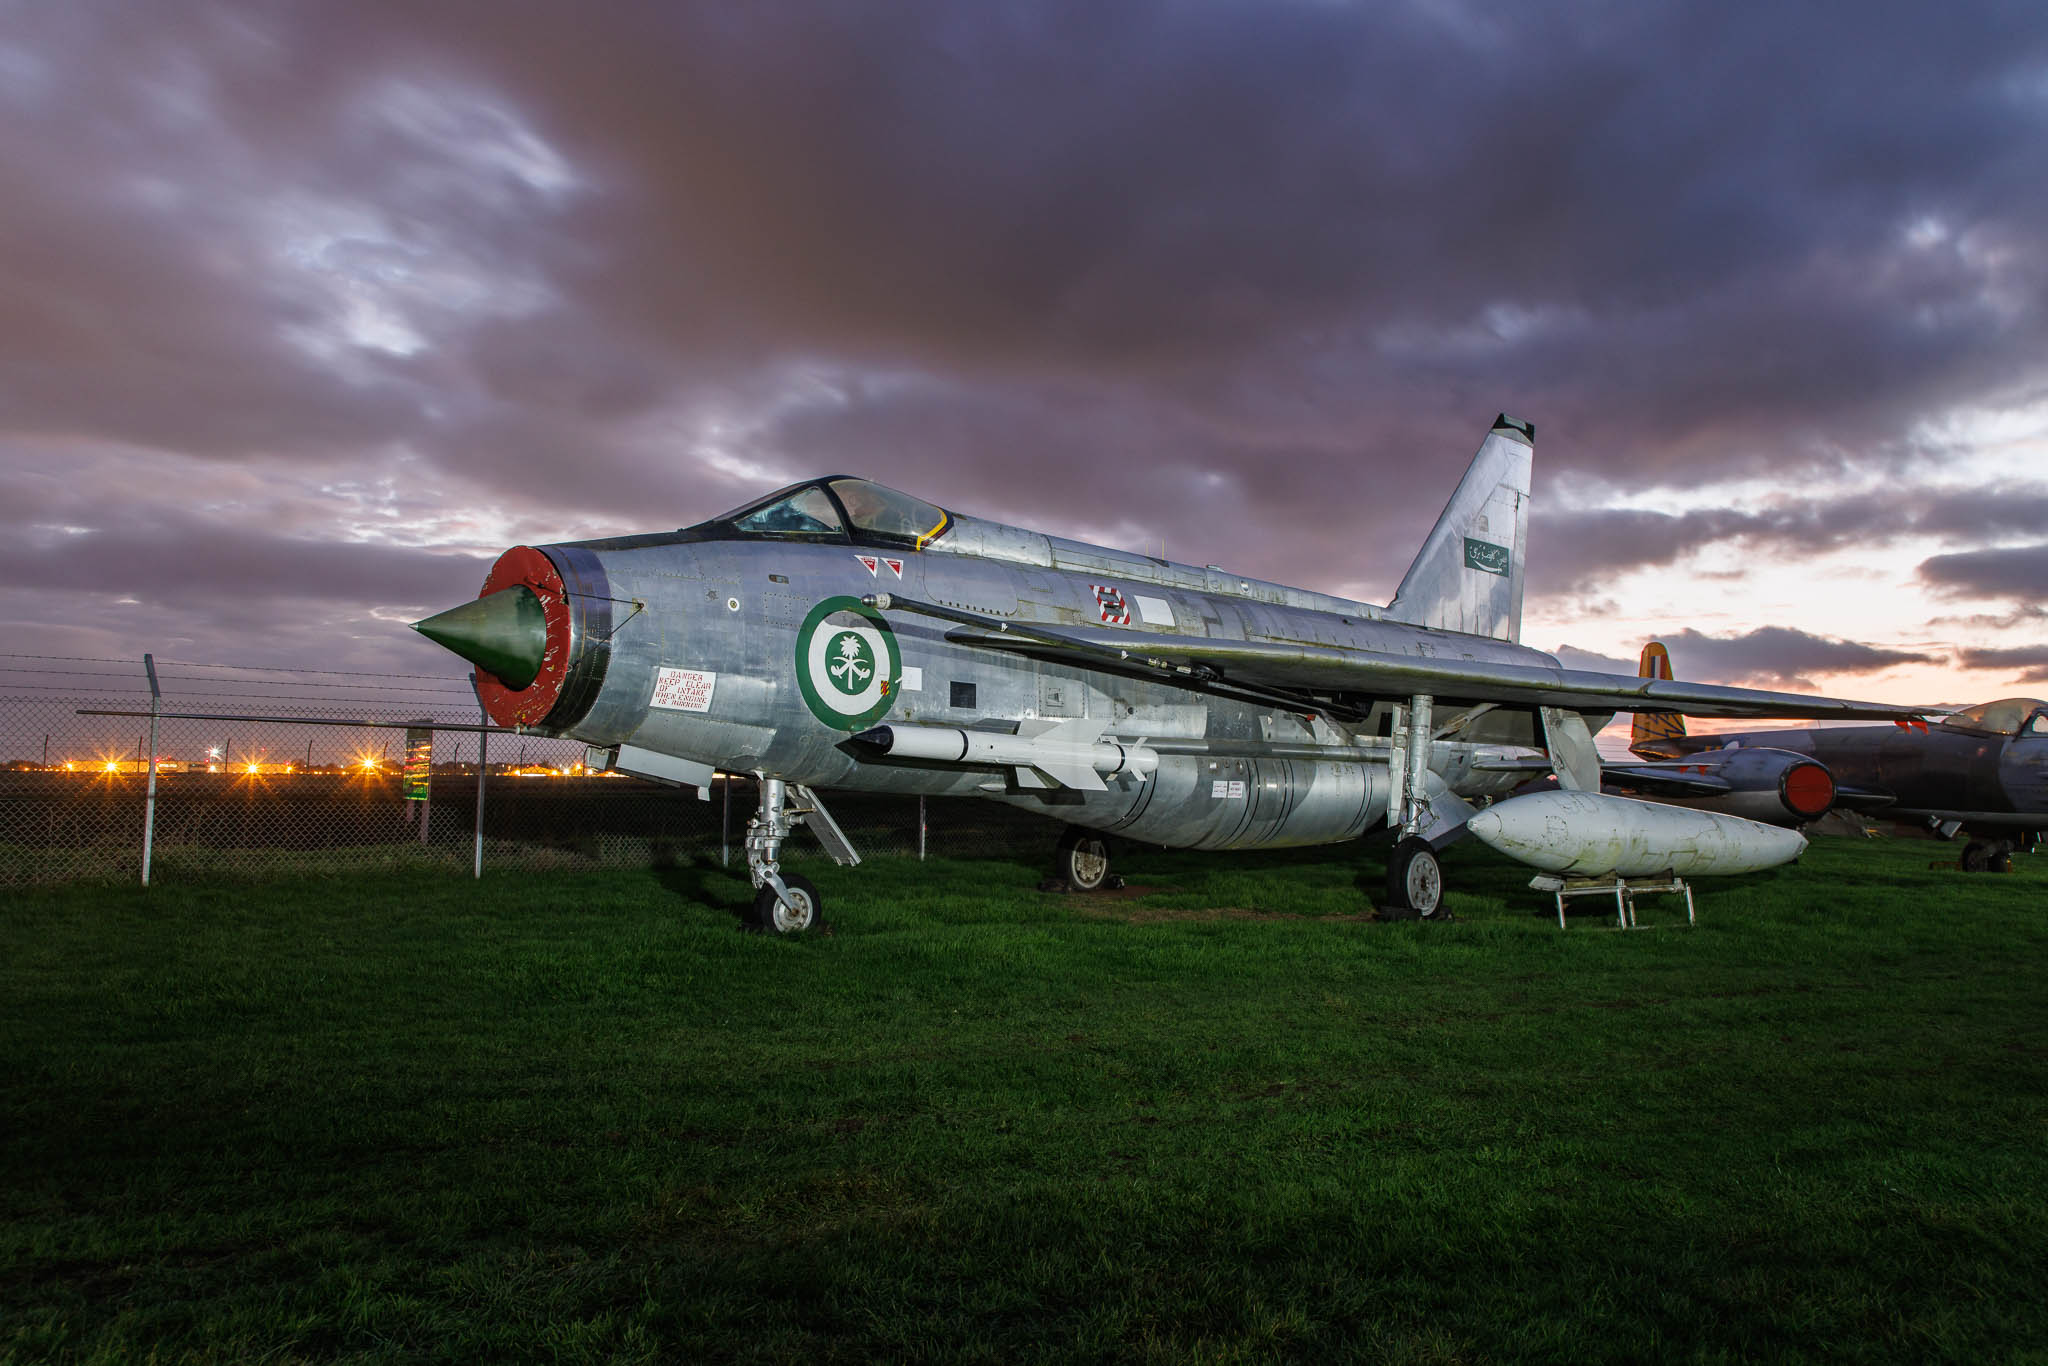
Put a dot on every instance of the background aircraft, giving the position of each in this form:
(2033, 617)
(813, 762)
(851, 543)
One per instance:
(1982, 770)
(839, 634)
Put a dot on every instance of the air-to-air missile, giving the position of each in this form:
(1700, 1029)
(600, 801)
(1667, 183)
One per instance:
(1065, 752)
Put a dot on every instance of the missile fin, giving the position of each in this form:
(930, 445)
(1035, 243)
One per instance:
(1078, 774)
(1075, 730)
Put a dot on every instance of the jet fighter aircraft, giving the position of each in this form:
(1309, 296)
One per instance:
(840, 634)
(1982, 771)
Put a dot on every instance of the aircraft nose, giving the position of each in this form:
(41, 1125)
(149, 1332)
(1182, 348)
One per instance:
(504, 633)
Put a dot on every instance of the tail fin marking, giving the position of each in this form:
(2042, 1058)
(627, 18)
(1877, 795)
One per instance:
(1654, 734)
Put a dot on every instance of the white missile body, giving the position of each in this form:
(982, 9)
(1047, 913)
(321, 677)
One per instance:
(1591, 835)
(1068, 752)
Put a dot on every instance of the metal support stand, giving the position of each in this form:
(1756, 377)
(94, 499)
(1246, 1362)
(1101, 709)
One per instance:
(1621, 889)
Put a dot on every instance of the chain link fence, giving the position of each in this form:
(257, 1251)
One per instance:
(252, 799)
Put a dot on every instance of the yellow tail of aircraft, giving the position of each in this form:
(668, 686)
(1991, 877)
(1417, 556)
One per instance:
(1654, 733)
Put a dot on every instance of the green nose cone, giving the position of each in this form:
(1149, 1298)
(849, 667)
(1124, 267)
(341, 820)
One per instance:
(505, 634)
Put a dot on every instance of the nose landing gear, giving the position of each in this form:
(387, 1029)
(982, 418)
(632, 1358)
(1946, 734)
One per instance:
(786, 903)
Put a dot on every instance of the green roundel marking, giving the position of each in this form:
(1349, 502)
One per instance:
(847, 665)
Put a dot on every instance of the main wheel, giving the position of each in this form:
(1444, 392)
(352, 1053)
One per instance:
(1975, 858)
(805, 910)
(1415, 881)
(1082, 860)
(1999, 858)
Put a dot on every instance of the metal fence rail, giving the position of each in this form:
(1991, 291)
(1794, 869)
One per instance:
(237, 799)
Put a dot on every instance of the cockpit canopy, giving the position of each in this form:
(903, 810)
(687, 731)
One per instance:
(2008, 716)
(838, 508)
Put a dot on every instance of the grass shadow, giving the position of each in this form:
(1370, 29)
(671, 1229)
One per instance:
(704, 881)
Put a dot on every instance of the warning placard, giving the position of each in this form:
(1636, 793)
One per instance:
(683, 689)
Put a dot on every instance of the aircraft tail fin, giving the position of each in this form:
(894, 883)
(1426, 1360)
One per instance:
(1468, 574)
(1654, 732)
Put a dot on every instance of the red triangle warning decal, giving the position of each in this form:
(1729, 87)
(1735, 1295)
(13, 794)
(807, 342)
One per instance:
(868, 562)
(895, 567)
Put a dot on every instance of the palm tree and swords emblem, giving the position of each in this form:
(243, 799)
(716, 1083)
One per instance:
(852, 663)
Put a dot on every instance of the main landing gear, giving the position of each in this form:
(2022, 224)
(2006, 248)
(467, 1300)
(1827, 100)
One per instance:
(1415, 880)
(1986, 856)
(1082, 861)
(786, 903)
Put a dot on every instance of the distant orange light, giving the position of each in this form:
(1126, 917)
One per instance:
(252, 768)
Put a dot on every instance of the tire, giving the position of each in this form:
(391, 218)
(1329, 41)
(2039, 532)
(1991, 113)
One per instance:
(1415, 880)
(1975, 858)
(1082, 860)
(772, 917)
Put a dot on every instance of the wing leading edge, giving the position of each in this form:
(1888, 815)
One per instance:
(1309, 671)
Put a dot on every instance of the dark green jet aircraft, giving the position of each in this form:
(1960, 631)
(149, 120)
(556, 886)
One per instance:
(1981, 771)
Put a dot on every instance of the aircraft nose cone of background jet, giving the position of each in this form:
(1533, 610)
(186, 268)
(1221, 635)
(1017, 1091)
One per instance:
(505, 634)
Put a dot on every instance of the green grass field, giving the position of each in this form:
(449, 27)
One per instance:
(1224, 1119)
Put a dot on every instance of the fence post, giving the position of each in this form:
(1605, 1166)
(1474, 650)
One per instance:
(149, 802)
(920, 827)
(483, 741)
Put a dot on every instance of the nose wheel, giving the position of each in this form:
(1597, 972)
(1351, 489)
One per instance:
(790, 910)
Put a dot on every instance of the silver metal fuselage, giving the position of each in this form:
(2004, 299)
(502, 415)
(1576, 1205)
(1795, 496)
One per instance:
(1231, 774)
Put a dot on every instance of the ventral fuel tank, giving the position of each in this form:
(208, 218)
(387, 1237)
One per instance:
(1592, 835)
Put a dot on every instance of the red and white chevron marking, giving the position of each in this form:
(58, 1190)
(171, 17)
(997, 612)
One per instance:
(1115, 611)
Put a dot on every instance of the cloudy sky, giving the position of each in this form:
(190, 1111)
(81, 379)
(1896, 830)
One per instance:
(308, 309)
